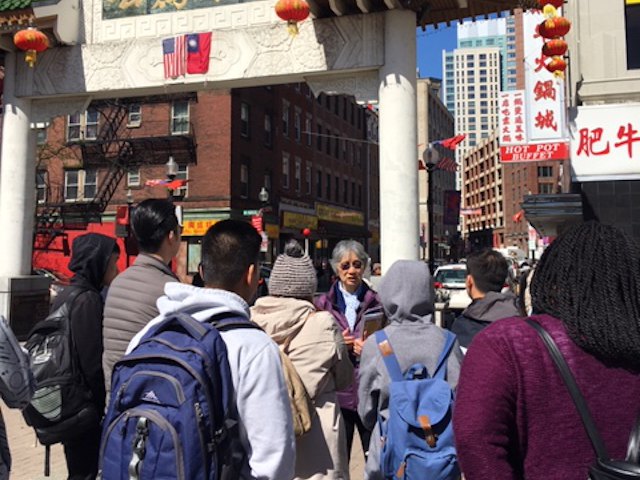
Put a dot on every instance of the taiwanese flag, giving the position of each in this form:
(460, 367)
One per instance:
(198, 50)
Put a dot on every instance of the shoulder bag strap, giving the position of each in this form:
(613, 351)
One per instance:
(441, 366)
(388, 356)
(574, 390)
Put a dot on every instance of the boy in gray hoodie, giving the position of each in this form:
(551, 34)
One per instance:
(407, 295)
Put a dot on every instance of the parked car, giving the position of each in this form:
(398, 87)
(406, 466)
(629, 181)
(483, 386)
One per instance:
(449, 281)
(58, 281)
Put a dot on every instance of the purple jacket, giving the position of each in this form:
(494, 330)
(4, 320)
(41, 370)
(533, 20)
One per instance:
(514, 418)
(348, 398)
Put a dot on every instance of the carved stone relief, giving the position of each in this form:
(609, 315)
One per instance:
(115, 68)
(363, 86)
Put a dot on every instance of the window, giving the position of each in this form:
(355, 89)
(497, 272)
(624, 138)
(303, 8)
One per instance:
(133, 178)
(41, 135)
(337, 189)
(328, 195)
(80, 185)
(319, 139)
(545, 172)
(327, 145)
(41, 185)
(632, 25)
(336, 147)
(244, 180)
(244, 119)
(345, 191)
(180, 117)
(360, 195)
(285, 170)
(135, 115)
(353, 193)
(298, 174)
(545, 188)
(183, 174)
(307, 127)
(296, 126)
(268, 135)
(307, 177)
(82, 126)
(267, 181)
(285, 119)
(319, 184)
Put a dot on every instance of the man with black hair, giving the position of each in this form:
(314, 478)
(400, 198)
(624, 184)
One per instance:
(487, 272)
(131, 301)
(231, 268)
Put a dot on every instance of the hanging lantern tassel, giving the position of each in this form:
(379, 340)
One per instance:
(549, 11)
(292, 11)
(31, 40)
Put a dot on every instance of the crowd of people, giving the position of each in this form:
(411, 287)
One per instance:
(512, 417)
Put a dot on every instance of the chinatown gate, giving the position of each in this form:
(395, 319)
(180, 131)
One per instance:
(105, 49)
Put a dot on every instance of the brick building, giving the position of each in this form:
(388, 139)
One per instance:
(317, 158)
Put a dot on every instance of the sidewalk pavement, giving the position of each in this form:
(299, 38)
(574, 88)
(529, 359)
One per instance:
(28, 455)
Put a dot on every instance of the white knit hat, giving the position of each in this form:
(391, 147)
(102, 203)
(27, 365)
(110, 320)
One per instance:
(293, 274)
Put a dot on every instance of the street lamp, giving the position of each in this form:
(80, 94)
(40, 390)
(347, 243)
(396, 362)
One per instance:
(172, 171)
(430, 158)
(263, 195)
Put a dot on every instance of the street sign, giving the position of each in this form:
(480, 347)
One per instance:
(248, 213)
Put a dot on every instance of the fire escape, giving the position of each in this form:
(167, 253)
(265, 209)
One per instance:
(115, 150)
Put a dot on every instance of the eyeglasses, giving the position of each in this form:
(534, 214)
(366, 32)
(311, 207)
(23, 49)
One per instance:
(346, 265)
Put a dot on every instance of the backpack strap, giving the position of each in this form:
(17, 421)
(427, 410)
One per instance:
(187, 322)
(574, 390)
(226, 321)
(441, 366)
(388, 356)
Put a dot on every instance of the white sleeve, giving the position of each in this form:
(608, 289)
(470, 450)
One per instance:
(264, 410)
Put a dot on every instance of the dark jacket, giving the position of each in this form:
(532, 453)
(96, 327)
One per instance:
(90, 257)
(348, 398)
(481, 313)
(130, 305)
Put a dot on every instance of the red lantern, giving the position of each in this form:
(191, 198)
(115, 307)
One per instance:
(306, 232)
(555, 3)
(554, 27)
(555, 48)
(557, 66)
(293, 11)
(32, 41)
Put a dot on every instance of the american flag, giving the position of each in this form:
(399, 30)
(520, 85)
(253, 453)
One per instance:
(447, 164)
(174, 56)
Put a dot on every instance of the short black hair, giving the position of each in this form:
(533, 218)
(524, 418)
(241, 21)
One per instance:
(151, 221)
(489, 270)
(228, 249)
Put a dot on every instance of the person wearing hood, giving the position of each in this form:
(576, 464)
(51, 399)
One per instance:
(317, 350)
(230, 269)
(93, 261)
(487, 272)
(407, 295)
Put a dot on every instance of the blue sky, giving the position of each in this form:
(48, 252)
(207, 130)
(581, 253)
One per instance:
(431, 42)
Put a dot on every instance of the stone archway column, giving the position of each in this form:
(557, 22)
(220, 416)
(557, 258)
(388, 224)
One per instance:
(17, 179)
(398, 138)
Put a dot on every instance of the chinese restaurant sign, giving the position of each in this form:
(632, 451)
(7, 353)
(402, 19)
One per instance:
(533, 122)
(606, 143)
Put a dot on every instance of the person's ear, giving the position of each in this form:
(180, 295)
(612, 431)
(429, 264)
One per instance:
(468, 282)
(252, 272)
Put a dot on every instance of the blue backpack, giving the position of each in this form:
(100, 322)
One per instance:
(418, 435)
(168, 414)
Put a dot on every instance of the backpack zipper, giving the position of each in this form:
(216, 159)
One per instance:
(201, 433)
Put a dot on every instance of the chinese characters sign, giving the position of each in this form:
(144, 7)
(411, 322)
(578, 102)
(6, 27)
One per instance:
(545, 94)
(606, 143)
(512, 118)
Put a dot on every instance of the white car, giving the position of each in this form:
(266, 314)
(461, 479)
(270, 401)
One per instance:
(450, 280)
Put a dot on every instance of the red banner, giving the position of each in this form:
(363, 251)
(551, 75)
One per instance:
(256, 221)
(539, 152)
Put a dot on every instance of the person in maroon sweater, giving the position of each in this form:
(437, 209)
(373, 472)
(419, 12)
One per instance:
(514, 417)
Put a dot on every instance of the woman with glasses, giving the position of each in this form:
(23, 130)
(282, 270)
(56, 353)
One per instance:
(349, 300)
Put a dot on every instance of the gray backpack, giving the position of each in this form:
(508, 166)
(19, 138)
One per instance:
(16, 379)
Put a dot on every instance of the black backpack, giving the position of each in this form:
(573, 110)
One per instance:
(604, 467)
(62, 406)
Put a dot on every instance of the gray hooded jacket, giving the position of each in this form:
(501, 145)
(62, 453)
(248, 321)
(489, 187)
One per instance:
(407, 295)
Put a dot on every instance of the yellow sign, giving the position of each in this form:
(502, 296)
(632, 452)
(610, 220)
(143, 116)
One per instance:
(339, 215)
(299, 220)
(632, 2)
(197, 228)
(273, 231)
